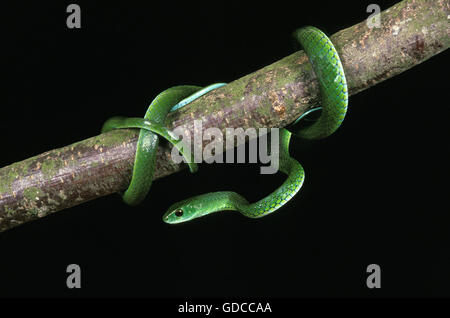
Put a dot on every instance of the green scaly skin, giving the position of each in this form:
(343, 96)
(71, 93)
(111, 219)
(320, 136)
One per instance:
(152, 126)
(333, 87)
(231, 201)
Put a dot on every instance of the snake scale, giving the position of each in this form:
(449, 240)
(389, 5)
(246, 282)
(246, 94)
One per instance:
(334, 99)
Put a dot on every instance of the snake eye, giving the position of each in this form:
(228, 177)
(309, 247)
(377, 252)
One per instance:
(178, 212)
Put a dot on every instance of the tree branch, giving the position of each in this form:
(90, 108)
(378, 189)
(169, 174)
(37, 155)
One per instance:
(411, 32)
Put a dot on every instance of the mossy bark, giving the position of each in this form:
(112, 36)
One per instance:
(411, 32)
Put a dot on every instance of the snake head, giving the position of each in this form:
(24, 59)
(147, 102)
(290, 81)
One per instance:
(182, 211)
(194, 207)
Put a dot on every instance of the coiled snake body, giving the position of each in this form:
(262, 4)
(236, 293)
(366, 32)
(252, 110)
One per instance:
(333, 87)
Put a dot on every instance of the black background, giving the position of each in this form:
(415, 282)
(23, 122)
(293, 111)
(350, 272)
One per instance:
(376, 191)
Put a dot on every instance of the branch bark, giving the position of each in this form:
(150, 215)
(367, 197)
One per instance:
(411, 32)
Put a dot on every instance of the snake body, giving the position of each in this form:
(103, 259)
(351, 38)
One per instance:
(152, 126)
(334, 99)
(208, 203)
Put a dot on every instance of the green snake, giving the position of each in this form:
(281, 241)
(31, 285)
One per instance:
(334, 96)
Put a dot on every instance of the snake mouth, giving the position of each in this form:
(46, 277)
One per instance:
(166, 218)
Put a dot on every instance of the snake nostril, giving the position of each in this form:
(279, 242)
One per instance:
(178, 212)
